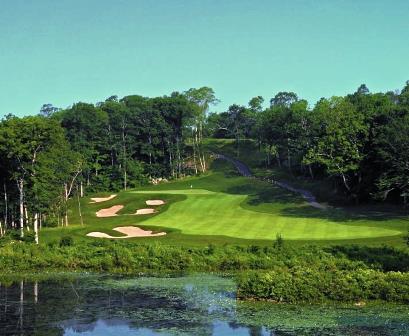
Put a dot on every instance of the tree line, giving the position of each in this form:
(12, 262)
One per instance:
(360, 141)
(115, 144)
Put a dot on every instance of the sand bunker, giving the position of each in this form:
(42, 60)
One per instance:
(128, 231)
(155, 202)
(109, 212)
(101, 199)
(145, 211)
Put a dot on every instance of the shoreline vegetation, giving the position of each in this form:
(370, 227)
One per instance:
(279, 273)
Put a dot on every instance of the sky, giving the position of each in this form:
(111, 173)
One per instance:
(65, 51)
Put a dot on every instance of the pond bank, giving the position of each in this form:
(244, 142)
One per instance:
(280, 273)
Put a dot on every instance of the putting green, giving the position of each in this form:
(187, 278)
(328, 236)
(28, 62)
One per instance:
(204, 212)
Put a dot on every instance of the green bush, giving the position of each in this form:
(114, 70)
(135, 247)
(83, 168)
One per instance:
(311, 285)
(29, 237)
(279, 242)
(66, 241)
(385, 258)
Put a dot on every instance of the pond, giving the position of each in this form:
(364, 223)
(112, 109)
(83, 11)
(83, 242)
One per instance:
(89, 305)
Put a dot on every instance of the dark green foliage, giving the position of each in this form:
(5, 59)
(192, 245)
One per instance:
(279, 243)
(29, 237)
(384, 258)
(306, 284)
(358, 143)
(114, 145)
(13, 236)
(66, 241)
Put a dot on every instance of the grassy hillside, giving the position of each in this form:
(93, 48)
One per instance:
(222, 207)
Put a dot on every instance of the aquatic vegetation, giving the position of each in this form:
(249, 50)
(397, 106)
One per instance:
(202, 304)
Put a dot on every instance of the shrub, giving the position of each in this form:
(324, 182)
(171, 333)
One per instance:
(279, 242)
(311, 285)
(66, 241)
(385, 258)
(29, 237)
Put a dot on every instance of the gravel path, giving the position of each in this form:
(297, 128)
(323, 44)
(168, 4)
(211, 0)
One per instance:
(244, 170)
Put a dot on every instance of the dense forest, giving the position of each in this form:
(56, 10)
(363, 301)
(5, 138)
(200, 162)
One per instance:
(116, 144)
(359, 142)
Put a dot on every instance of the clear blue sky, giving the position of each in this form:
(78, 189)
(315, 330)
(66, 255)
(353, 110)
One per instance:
(66, 51)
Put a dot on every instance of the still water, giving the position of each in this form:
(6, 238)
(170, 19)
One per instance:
(89, 305)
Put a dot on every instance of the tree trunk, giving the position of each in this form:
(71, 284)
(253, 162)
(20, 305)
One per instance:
(26, 218)
(204, 168)
(36, 227)
(79, 207)
(66, 205)
(171, 161)
(81, 190)
(194, 151)
(311, 172)
(20, 186)
(204, 163)
(345, 182)
(5, 205)
(179, 165)
(198, 149)
(288, 154)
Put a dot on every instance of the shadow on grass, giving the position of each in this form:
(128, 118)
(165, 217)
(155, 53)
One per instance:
(263, 195)
(274, 196)
(342, 215)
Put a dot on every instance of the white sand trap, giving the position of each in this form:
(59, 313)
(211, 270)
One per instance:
(109, 212)
(99, 235)
(155, 202)
(146, 211)
(128, 231)
(101, 199)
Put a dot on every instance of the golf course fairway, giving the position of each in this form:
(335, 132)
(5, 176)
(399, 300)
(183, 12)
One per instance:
(222, 205)
(205, 212)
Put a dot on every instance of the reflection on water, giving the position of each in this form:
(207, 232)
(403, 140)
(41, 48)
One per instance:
(102, 327)
(197, 305)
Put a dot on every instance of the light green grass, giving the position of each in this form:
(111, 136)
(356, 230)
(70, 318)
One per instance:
(217, 213)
